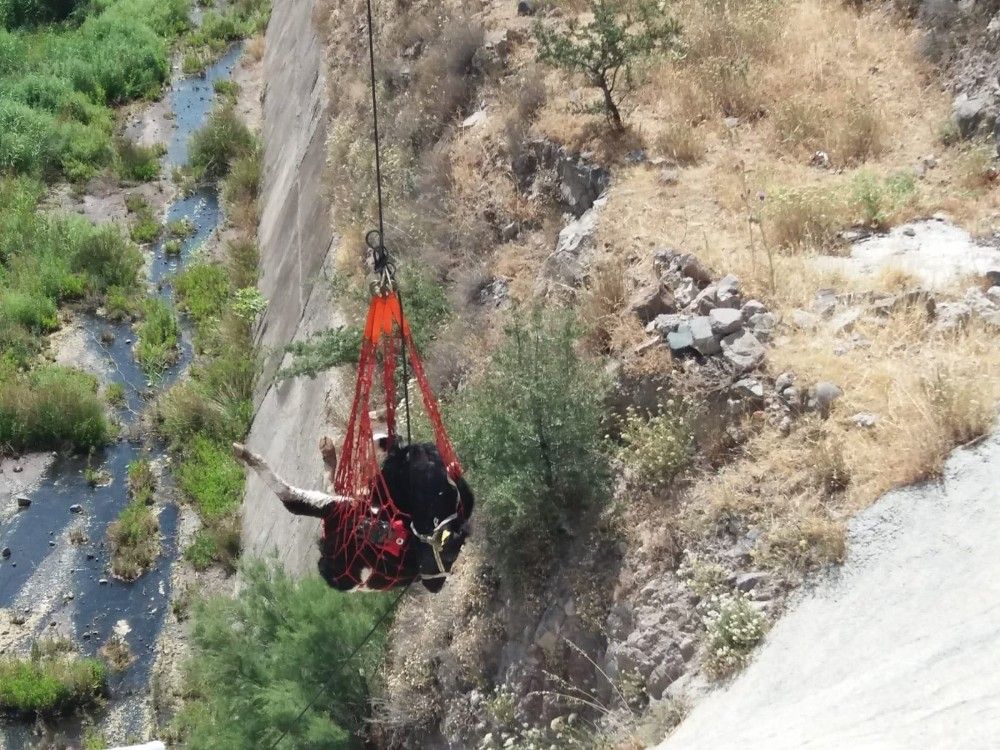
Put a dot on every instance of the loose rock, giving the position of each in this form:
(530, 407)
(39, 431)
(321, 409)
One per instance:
(725, 320)
(23, 501)
(703, 338)
(743, 350)
(76, 508)
(681, 339)
(651, 301)
(821, 397)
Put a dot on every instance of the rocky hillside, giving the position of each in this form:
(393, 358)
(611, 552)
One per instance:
(783, 267)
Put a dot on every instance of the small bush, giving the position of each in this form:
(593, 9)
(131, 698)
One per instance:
(115, 394)
(264, 655)
(141, 481)
(804, 218)
(52, 408)
(159, 337)
(217, 543)
(215, 147)
(134, 539)
(181, 228)
(135, 162)
(733, 628)
(878, 201)
(203, 290)
(656, 449)
(50, 685)
(530, 433)
(145, 227)
(211, 478)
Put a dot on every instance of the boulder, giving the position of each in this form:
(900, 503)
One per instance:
(749, 388)
(821, 397)
(5, 553)
(951, 316)
(725, 320)
(703, 338)
(743, 350)
(568, 265)
(76, 508)
(749, 581)
(580, 183)
(728, 292)
(705, 301)
(667, 323)
(825, 302)
(783, 381)
(751, 308)
(807, 321)
(843, 322)
(972, 115)
(680, 340)
(651, 301)
(993, 277)
(525, 8)
(23, 501)
(993, 295)
(864, 419)
(667, 671)
(685, 292)
(692, 268)
(762, 325)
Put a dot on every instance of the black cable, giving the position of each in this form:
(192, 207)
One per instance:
(354, 653)
(378, 152)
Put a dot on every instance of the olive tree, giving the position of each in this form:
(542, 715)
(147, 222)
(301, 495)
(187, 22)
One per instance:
(620, 34)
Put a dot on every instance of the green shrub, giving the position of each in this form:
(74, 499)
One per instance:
(146, 228)
(219, 143)
(333, 347)
(211, 478)
(135, 162)
(654, 449)
(203, 290)
(159, 337)
(530, 432)
(226, 88)
(264, 656)
(141, 481)
(114, 394)
(877, 201)
(51, 408)
(49, 685)
(14, 13)
(181, 228)
(218, 542)
(134, 538)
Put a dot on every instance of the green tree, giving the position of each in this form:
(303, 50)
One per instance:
(606, 50)
(259, 659)
(530, 432)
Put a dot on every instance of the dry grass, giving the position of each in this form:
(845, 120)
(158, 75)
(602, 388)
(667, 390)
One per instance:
(602, 305)
(682, 143)
(255, 47)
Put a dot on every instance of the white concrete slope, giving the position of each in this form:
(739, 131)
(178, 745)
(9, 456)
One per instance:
(899, 648)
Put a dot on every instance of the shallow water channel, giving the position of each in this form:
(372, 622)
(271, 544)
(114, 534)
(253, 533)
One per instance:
(63, 589)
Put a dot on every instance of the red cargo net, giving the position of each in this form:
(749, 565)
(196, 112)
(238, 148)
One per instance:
(370, 532)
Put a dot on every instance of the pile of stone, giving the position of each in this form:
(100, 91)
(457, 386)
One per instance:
(696, 316)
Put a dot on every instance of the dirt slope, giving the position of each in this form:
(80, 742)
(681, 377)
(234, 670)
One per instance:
(896, 649)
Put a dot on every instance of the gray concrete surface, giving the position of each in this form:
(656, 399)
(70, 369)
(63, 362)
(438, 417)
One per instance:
(296, 242)
(899, 648)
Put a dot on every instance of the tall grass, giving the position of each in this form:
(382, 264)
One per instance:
(220, 143)
(159, 337)
(49, 685)
(57, 84)
(46, 259)
(51, 408)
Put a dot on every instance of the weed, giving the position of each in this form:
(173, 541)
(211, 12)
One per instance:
(116, 653)
(733, 628)
(173, 248)
(220, 143)
(655, 449)
(681, 142)
(181, 228)
(805, 218)
(51, 408)
(249, 304)
(141, 481)
(114, 394)
(878, 201)
(134, 538)
(135, 162)
(203, 290)
(211, 478)
(49, 685)
(159, 337)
